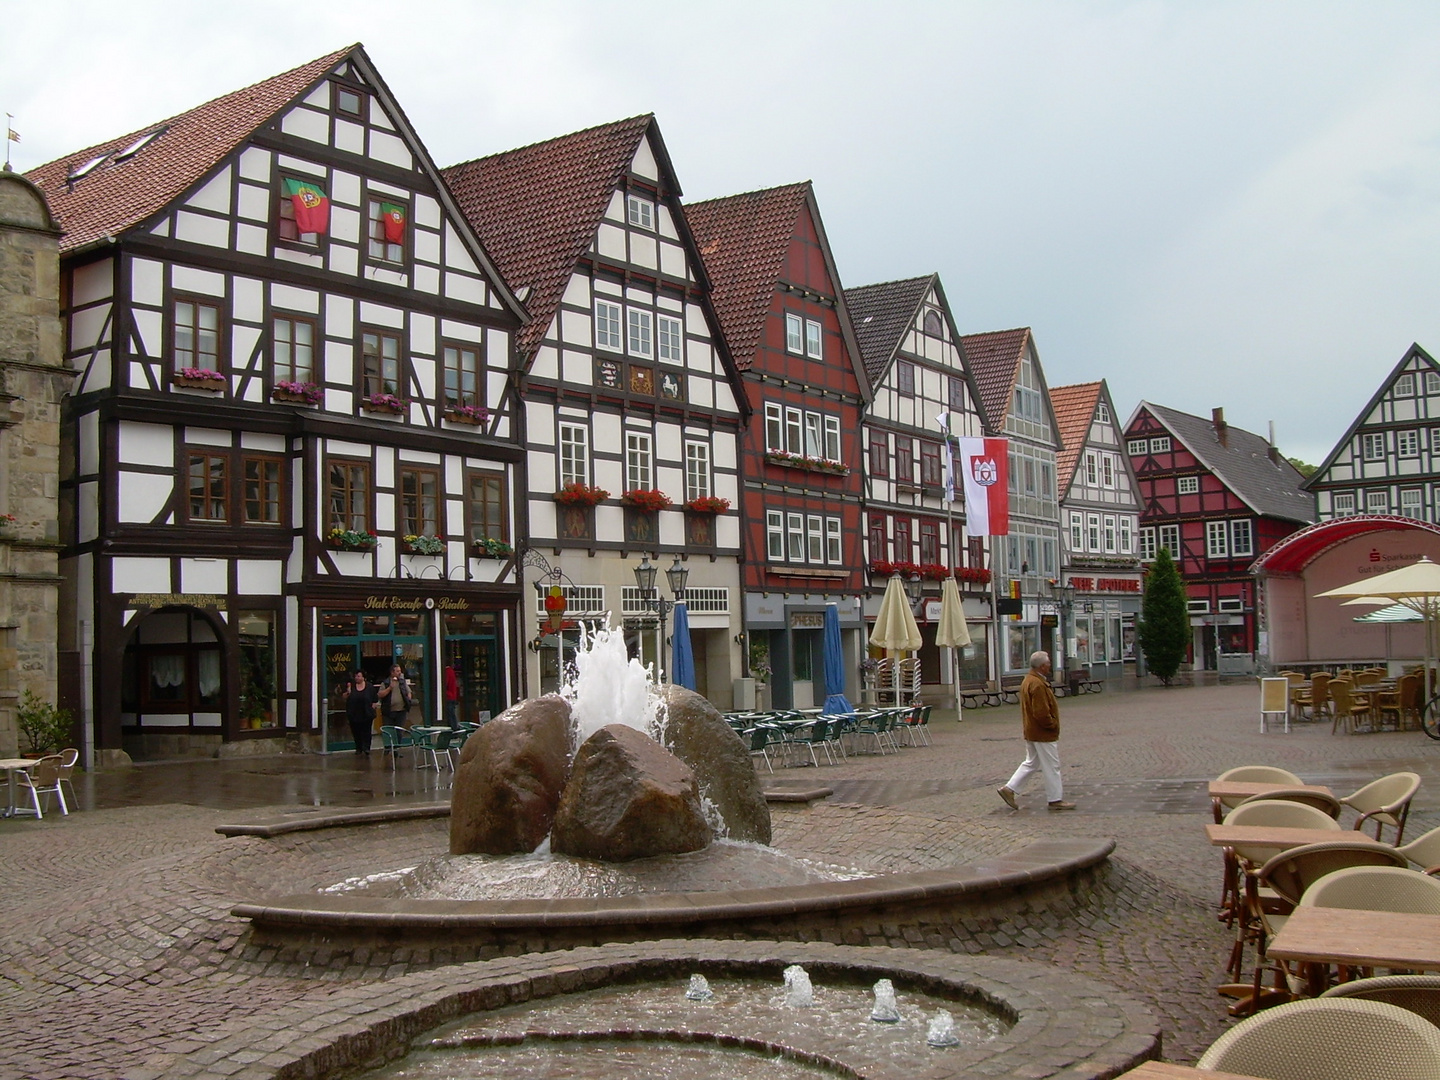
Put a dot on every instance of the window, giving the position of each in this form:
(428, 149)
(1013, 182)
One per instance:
(904, 550)
(1373, 444)
(977, 551)
(832, 540)
(640, 212)
(1187, 485)
(905, 377)
(1092, 472)
(1405, 386)
(929, 542)
(196, 343)
(879, 457)
(263, 504)
(879, 548)
(1241, 538)
(1198, 607)
(774, 534)
(832, 438)
(488, 519)
(956, 395)
(1377, 502)
(930, 464)
(1407, 443)
(1217, 539)
(574, 454)
(387, 241)
(1230, 603)
(1412, 504)
(462, 376)
(1110, 534)
(814, 539)
(795, 530)
(794, 426)
(638, 476)
(1092, 532)
(1077, 531)
(1136, 447)
(1127, 537)
(209, 488)
(1102, 413)
(607, 325)
(671, 339)
(639, 340)
(1169, 537)
(286, 229)
(904, 460)
(794, 333)
(1107, 470)
(1342, 505)
(380, 364)
(1432, 382)
(813, 346)
(419, 502)
(697, 470)
(1147, 544)
(347, 496)
(292, 345)
(932, 323)
(814, 440)
(350, 102)
(1160, 445)
(774, 427)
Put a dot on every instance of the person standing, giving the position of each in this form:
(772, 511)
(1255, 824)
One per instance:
(396, 693)
(360, 701)
(1040, 716)
(452, 697)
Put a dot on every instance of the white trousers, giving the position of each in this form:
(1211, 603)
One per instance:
(1044, 757)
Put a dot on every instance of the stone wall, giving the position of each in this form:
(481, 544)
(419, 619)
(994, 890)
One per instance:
(33, 382)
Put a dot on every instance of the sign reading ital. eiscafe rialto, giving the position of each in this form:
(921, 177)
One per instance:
(170, 599)
(414, 603)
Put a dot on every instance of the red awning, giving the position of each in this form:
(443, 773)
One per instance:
(1299, 550)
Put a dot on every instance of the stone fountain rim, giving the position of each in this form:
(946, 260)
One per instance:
(1063, 1022)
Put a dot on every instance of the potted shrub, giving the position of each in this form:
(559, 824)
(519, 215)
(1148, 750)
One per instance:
(350, 539)
(708, 504)
(578, 494)
(199, 379)
(424, 545)
(45, 727)
(490, 548)
(474, 415)
(297, 393)
(383, 403)
(647, 501)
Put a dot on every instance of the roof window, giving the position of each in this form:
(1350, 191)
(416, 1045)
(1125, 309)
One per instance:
(86, 169)
(139, 144)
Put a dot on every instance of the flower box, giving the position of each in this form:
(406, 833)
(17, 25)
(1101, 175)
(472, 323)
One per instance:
(490, 548)
(383, 403)
(708, 504)
(424, 545)
(649, 502)
(972, 575)
(351, 540)
(467, 414)
(199, 379)
(297, 393)
(581, 495)
(809, 464)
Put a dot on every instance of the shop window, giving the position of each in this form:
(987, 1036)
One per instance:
(419, 502)
(258, 699)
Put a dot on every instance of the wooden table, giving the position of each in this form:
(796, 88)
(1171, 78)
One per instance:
(1238, 789)
(11, 767)
(1163, 1070)
(1358, 938)
(1282, 839)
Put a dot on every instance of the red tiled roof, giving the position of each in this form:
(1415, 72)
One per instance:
(1074, 408)
(994, 359)
(537, 209)
(117, 196)
(743, 240)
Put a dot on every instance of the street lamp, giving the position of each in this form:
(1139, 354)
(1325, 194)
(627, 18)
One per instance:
(676, 577)
(1065, 599)
(914, 588)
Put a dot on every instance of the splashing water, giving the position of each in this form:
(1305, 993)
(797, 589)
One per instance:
(885, 1010)
(799, 994)
(941, 1030)
(699, 989)
(609, 687)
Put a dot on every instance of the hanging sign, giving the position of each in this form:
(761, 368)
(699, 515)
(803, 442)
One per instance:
(555, 609)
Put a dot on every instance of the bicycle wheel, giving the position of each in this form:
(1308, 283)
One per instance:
(1430, 718)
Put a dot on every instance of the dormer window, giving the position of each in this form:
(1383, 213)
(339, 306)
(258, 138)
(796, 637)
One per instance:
(87, 168)
(933, 326)
(139, 144)
(640, 212)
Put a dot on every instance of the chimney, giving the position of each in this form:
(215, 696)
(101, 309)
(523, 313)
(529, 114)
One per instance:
(1274, 450)
(1217, 417)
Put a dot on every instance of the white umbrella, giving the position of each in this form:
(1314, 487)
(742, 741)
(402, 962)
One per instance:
(895, 627)
(1416, 586)
(951, 631)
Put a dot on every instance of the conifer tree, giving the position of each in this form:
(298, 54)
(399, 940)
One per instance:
(1164, 620)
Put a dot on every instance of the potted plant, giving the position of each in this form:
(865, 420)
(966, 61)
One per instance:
(578, 494)
(8, 522)
(424, 545)
(973, 575)
(298, 393)
(45, 727)
(647, 501)
(708, 504)
(474, 415)
(490, 548)
(351, 539)
(199, 379)
(383, 403)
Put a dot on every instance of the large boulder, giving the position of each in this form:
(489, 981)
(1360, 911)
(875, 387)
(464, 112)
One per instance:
(696, 733)
(511, 774)
(628, 798)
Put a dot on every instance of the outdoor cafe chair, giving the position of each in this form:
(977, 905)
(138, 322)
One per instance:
(1315, 696)
(1249, 774)
(878, 726)
(1329, 1039)
(1424, 851)
(42, 778)
(428, 744)
(1246, 858)
(392, 740)
(68, 757)
(1418, 993)
(815, 734)
(1385, 802)
(1347, 705)
(1318, 799)
(1403, 702)
(1376, 888)
(762, 737)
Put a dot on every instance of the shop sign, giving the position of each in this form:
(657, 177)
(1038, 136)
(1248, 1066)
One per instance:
(1106, 584)
(415, 603)
(932, 611)
(807, 620)
(157, 600)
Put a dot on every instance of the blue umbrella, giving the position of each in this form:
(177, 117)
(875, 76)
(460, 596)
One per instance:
(682, 657)
(835, 701)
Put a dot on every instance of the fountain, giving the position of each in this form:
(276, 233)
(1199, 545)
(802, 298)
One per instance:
(699, 989)
(941, 1030)
(885, 1010)
(799, 994)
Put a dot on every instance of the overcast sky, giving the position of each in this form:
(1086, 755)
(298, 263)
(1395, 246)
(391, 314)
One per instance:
(1207, 204)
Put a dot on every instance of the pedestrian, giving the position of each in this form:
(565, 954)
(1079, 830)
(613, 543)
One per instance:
(396, 693)
(1040, 715)
(452, 697)
(361, 700)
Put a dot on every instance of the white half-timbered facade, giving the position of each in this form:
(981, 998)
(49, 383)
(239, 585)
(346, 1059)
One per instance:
(1388, 462)
(292, 454)
(632, 410)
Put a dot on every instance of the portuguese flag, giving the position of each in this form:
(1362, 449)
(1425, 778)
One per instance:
(393, 214)
(312, 207)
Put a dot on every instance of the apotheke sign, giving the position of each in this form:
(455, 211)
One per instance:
(1105, 584)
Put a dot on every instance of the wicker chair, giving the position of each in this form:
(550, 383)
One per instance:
(1347, 706)
(1247, 858)
(1318, 799)
(1403, 701)
(1329, 1039)
(1385, 802)
(1376, 888)
(1424, 851)
(1249, 774)
(1418, 993)
(1315, 696)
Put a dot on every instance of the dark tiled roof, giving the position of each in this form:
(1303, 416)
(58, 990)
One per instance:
(1242, 461)
(1074, 408)
(537, 209)
(994, 359)
(882, 314)
(117, 196)
(743, 240)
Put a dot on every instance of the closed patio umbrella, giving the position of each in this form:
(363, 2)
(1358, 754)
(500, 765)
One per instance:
(682, 656)
(835, 699)
(951, 632)
(895, 627)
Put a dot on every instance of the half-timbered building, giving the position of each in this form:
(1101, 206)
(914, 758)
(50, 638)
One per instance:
(778, 296)
(292, 441)
(1099, 517)
(1216, 497)
(1388, 461)
(632, 406)
(1015, 402)
(923, 396)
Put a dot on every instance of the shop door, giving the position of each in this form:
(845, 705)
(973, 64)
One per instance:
(476, 663)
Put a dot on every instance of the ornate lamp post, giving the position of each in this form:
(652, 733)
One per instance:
(676, 577)
(1065, 600)
(914, 588)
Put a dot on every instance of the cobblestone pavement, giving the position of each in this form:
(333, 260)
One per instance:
(120, 957)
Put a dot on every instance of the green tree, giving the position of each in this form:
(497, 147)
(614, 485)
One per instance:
(1304, 469)
(1164, 621)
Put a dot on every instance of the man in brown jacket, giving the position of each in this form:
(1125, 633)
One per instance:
(1041, 716)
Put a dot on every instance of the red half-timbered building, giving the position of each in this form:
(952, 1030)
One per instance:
(780, 303)
(1216, 497)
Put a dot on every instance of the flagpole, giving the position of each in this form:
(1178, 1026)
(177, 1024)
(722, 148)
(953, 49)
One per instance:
(11, 135)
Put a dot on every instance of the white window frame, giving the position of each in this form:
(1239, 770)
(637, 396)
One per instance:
(833, 544)
(814, 436)
(1412, 503)
(1372, 445)
(1197, 607)
(814, 340)
(795, 534)
(1092, 532)
(1160, 444)
(1148, 546)
(639, 212)
(775, 535)
(794, 430)
(1432, 382)
(1137, 447)
(1377, 502)
(1127, 535)
(1405, 385)
(574, 454)
(697, 470)
(1217, 539)
(1342, 503)
(774, 427)
(1407, 443)
(794, 334)
(670, 339)
(1077, 531)
(1168, 537)
(1092, 469)
(1102, 413)
(639, 461)
(639, 332)
(814, 538)
(609, 325)
(1111, 534)
(1242, 537)
(1107, 470)
(832, 438)
(1187, 485)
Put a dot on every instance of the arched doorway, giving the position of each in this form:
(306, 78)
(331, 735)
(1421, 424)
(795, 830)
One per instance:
(173, 682)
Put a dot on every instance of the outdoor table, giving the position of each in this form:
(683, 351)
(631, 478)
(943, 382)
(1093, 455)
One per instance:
(1281, 839)
(1163, 1070)
(1358, 938)
(1239, 789)
(11, 767)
